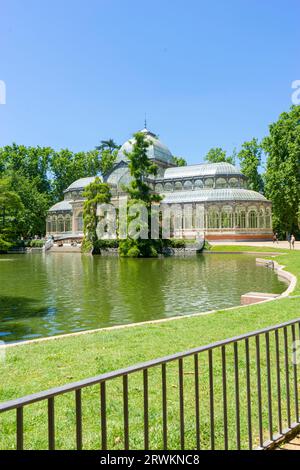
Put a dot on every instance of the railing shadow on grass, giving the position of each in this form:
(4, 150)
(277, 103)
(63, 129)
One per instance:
(240, 393)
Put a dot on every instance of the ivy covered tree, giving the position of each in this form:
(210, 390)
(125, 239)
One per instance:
(218, 155)
(250, 160)
(95, 193)
(282, 177)
(140, 193)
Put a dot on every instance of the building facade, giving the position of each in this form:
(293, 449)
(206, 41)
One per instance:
(230, 210)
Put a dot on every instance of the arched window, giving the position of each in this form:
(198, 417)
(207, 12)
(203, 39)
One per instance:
(198, 184)
(268, 218)
(252, 219)
(213, 219)
(261, 218)
(68, 223)
(188, 216)
(199, 217)
(209, 182)
(168, 187)
(240, 217)
(233, 183)
(227, 218)
(79, 222)
(221, 183)
(60, 224)
(243, 219)
(178, 186)
(188, 185)
(49, 228)
(159, 188)
(54, 224)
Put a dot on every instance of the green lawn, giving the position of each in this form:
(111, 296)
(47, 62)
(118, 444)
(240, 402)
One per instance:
(242, 248)
(39, 366)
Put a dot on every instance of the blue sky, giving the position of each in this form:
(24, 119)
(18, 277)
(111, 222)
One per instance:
(206, 73)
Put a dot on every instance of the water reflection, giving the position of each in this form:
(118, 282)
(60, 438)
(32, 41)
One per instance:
(61, 293)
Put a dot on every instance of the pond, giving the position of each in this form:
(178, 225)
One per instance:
(45, 295)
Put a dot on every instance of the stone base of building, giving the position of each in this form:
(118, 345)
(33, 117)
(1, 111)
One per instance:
(241, 237)
(226, 236)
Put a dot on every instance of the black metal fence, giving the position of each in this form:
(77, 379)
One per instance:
(240, 393)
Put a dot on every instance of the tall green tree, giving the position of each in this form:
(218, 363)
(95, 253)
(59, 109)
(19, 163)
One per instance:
(10, 206)
(31, 162)
(67, 166)
(109, 144)
(108, 151)
(282, 177)
(250, 160)
(27, 171)
(95, 193)
(140, 167)
(31, 218)
(218, 155)
(107, 159)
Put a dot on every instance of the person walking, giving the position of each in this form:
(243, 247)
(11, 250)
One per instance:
(293, 239)
(275, 237)
(289, 239)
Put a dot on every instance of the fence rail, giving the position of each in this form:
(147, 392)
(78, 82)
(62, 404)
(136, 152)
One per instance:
(238, 393)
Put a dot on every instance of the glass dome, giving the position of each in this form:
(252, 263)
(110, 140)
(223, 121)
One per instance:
(156, 151)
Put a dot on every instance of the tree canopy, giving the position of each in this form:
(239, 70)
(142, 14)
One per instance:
(250, 160)
(10, 206)
(67, 166)
(179, 161)
(282, 177)
(108, 151)
(218, 155)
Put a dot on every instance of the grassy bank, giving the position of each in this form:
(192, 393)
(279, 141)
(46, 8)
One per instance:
(37, 366)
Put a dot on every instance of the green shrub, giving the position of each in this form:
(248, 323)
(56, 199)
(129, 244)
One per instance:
(37, 243)
(104, 244)
(207, 245)
(125, 246)
(133, 252)
(18, 244)
(140, 248)
(173, 243)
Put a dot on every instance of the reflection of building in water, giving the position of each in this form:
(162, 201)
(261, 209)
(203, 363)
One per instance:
(231, 211)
